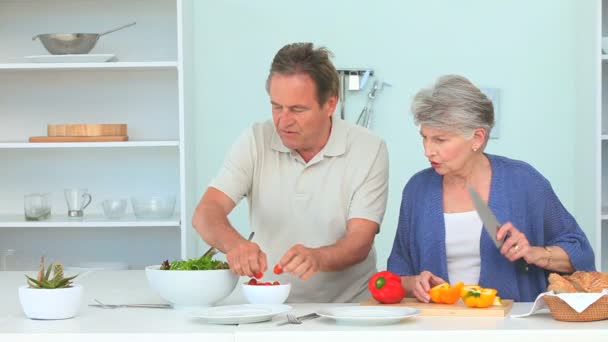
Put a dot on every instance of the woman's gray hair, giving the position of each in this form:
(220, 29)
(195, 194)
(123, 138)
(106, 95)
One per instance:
(453, 103)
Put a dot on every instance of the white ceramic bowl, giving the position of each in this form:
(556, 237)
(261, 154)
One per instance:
(266, 294)
(185, 289)
(50, 303)
(153, 206)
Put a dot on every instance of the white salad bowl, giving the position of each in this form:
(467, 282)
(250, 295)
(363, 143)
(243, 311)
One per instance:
(191, 288)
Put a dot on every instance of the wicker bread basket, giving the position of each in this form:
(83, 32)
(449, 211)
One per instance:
(561, 311)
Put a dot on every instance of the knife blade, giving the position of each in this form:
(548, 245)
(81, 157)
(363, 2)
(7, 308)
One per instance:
(491, 224)
(116, 306)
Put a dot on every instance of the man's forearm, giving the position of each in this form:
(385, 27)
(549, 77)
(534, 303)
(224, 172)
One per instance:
(353, 248)
(211, 221)
(217, 231)
(337, 258)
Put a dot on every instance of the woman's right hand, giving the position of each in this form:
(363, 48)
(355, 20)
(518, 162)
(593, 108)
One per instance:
(420, 285)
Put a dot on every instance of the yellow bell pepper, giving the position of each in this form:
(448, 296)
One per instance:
(478, 297)
(444, 294)
(469, 287)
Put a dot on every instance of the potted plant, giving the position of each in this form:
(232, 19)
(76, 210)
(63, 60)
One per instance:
(51, 295)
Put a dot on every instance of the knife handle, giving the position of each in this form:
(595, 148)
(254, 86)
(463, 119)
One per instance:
(522, 266)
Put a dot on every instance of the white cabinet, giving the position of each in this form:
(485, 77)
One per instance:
(145, 87)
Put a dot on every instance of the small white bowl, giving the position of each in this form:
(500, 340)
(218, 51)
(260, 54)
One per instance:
(266, 294)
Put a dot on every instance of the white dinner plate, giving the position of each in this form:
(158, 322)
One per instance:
(240, 314)
(369, 315)
(81, 58)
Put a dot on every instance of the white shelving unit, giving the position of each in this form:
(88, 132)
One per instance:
(90, 221)
(90, 66)
(146, 87)
(91, 144)
(601, 237)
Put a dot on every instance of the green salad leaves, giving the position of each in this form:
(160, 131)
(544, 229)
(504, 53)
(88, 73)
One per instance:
(202, 263)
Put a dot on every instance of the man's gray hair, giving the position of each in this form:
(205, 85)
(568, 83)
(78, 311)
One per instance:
(453, 103)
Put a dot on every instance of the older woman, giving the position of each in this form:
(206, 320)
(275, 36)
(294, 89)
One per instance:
(440, 237)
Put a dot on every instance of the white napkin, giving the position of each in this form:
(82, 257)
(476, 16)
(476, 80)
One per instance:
(579, 301)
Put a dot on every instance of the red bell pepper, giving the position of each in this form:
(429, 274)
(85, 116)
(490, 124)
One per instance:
(386, 287)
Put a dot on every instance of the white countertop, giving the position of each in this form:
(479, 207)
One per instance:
(136, 324)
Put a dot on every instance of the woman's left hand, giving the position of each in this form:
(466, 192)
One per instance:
(516, 245)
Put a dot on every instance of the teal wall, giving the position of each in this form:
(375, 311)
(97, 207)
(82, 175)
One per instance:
(530, 50)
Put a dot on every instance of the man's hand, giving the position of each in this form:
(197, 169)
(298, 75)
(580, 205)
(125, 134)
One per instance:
(300, 261)
(247, 259)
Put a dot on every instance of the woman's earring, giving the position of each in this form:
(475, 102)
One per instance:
(474, 149)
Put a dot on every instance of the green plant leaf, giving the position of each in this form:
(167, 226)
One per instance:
(45, 285)
(48, 273)
(33, 282)
(70, 278)
(58, 270)
(62, 283)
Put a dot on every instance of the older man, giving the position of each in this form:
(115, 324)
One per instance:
(316, 187)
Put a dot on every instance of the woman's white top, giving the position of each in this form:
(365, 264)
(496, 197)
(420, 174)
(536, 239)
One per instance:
(462, 234)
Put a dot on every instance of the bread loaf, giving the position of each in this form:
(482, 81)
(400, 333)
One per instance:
(579, 281)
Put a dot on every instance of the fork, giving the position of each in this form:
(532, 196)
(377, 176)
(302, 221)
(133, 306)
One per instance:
(213, 251)
(292, 319)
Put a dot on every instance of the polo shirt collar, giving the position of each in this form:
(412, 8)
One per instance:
(336, 144)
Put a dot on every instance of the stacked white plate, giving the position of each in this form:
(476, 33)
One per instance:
(369, 315)
(240, 314)
(81, 58)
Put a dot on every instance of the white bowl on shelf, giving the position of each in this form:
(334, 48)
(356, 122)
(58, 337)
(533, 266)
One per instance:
(114, 208)
(153, 207)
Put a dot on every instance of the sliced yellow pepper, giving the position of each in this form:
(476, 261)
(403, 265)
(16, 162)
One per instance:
(444, 294)
(468, 287)
(478, 297)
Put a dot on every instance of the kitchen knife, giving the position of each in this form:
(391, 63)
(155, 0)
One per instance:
(491, 224)
(116, 306)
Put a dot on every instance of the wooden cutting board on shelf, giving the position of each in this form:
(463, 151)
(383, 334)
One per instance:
(457, 309)
(78, 139)
(86, 130)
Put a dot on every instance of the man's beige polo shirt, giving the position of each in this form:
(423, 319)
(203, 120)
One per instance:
(291, 201)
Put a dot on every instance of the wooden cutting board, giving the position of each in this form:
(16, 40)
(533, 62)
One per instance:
(86, 130)
(78, 139)
(457, 309)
